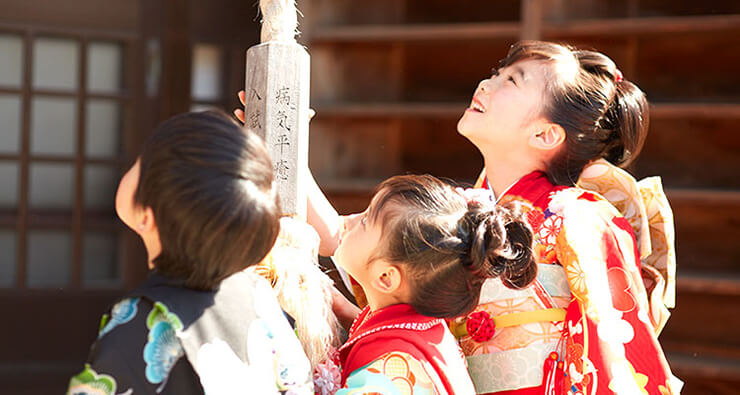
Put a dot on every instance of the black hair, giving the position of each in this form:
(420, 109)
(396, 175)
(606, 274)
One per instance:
(603, 114)
(450, 247)
(210, 186)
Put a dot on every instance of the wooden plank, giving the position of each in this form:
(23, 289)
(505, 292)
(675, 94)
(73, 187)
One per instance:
(644, 25)
(692, 154)
(430, 32)
(703, 196)
(455, 109)
(715, 284)
(571, 28)
(695, 110)
(390, 109)
(72, 30)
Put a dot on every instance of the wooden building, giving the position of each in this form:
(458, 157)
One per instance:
(82, 83)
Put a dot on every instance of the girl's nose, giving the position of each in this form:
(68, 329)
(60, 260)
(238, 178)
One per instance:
(350, 221)
(482, 86)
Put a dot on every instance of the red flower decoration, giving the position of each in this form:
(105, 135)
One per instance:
(535, 218)
(588, 196)
(480, 326)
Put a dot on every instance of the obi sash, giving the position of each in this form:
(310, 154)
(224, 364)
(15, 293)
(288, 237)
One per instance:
(513, 361)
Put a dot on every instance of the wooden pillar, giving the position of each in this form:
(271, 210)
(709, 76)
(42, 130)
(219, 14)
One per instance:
(531, 20)
(277, 96)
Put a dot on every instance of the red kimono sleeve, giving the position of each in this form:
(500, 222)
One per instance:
(610, 345)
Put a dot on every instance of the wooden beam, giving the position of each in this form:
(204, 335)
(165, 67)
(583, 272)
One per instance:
(607, 27)
(455, 109)
(648, 25)
(694, 110)
(431, 32)
(715, 284)
(531, 20)
(176, 50)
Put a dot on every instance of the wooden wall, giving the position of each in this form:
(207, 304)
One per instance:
(391, 78)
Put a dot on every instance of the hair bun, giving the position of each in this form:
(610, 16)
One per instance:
(500, 244)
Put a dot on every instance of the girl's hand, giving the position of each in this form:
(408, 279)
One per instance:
(345, 310)
(239, 113)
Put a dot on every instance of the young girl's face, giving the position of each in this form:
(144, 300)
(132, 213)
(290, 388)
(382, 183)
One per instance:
(505, 105)
(358, 242)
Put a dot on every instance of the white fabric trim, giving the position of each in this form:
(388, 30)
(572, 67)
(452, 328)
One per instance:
(344, 276)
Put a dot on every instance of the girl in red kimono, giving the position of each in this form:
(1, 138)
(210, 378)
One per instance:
(551, 123)
(421, 253)
(549, 116)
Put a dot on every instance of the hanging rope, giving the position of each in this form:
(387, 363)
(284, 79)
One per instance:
(279, 20)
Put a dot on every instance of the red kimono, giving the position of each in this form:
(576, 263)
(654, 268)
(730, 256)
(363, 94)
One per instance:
(585, 326)
(415, 350)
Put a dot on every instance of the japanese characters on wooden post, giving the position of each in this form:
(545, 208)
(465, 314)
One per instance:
(277, 95)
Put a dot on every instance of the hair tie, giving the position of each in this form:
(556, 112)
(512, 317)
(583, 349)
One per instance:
(618, 77)
(480, 196)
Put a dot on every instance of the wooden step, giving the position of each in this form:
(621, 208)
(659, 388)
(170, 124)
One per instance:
(605, 27)
(455, 109)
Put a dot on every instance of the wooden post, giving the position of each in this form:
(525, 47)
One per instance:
(531, 20)
(277, 96)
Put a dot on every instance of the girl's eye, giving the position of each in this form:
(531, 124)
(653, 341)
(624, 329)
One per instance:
(511, 79)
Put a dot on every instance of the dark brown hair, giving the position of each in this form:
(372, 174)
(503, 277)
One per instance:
(210, 186)
(448, 247)
(604, 115)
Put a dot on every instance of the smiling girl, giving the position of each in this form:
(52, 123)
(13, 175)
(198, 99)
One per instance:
(547, 117)
(553, 123)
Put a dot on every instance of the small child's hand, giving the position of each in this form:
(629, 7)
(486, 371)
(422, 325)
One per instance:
(239, 113)
(345, 310)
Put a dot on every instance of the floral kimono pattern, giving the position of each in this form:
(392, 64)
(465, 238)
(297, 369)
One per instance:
(397, 351)
(600, 337)
(167, 339)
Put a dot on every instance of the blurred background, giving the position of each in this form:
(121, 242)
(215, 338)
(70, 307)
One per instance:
(83, 82)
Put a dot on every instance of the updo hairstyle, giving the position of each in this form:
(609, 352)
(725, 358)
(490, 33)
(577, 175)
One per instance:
(447, 246)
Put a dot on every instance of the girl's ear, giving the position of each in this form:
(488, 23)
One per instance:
(387, 278)
(548, 137)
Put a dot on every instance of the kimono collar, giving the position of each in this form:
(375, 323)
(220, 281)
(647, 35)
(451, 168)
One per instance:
(398, 316)
(497, 198)
(533, 187)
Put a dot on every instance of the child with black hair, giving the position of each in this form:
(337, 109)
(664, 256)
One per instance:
(421, 252)
(202, 198)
